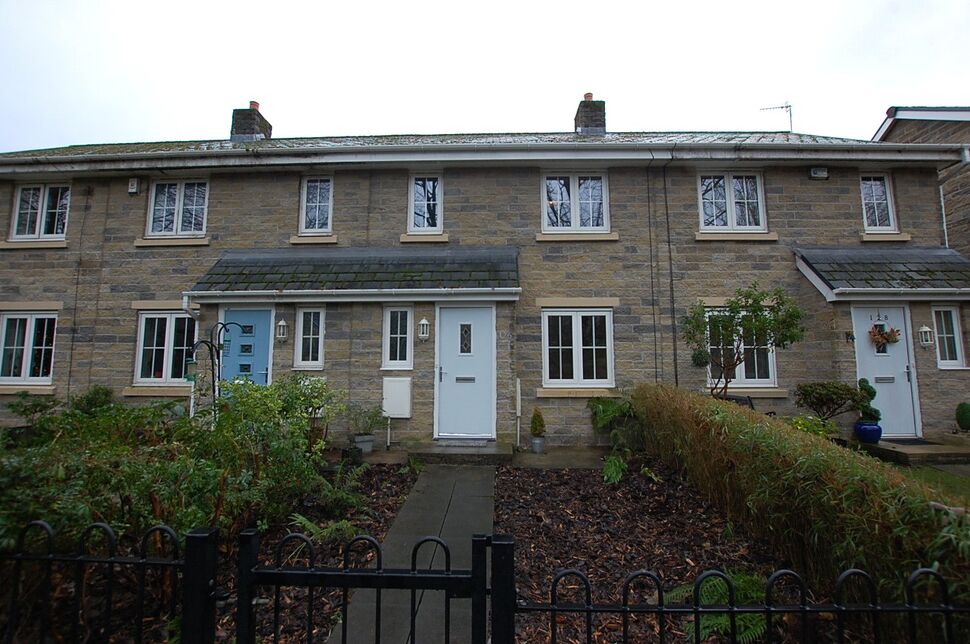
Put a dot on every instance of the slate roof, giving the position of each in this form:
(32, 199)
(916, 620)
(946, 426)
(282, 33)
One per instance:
(444, 140)
(315, 269)
(894, 268)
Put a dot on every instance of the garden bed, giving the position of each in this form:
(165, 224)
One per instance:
(572, 519)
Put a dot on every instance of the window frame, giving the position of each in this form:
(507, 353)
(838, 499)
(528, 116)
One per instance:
(386, 362)
(179, 204)
(298, 361)
(167, 349)
(328, 229)
(732, 227)
(578, 381)
(954, 311)
(29, 347)
(439, 229)
(891, 207)
(574, 223)
(38, 234)
(743, 381)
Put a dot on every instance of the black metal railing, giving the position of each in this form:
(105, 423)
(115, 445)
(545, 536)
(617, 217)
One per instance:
(76, 597)
(89, 586)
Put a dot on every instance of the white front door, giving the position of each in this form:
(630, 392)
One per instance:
(465, 378)
(889, 368)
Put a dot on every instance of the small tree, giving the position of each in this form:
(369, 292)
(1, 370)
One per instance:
(751, 318)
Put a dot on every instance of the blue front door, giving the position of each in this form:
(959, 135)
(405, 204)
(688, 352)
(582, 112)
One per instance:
(247, 353)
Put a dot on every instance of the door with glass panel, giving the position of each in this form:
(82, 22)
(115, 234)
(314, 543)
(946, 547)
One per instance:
(246, 345)
(465, 372)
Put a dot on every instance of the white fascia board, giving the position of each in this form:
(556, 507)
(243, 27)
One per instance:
(816, 281)
(357, 295)
(920, 115)
(907, 294)
(458, 155)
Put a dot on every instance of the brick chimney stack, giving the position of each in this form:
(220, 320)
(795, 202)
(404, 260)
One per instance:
(591, 116)
(249, 125)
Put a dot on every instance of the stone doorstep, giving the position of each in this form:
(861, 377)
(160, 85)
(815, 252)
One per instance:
(454, 452)
(920, 454)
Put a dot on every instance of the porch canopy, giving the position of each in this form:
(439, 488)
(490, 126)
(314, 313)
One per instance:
(360, 275)
(860, 274)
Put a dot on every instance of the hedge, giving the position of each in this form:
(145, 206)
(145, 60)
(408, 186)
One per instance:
(824, 507)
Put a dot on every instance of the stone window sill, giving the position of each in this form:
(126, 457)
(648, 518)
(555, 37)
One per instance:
(34, 390)
(755, 237)
(885, 237)
(758, 392)
(578, 392)
(145, 242)
(28, 244)
(438, 238)
(313, 239)
(158, 391)
(38, 305)
(576, 237)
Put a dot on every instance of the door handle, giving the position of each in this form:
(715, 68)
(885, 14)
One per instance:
(441, 374)
(909, 374)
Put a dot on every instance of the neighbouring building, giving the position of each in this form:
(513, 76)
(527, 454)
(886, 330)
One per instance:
(466, 279)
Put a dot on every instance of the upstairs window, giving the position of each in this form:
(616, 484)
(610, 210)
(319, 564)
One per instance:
(425, 210)
(731, 202)
(40, 212)
(27, 348)
(178, 208)
(877, 204)
(575, 203)
(165, 345)
(317, 202)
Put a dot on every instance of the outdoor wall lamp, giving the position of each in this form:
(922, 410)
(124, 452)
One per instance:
(424, 330)
(925, 337)
(281, 330)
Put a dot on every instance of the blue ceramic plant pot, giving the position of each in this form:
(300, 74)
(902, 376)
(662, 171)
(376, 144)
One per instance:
(868, 432)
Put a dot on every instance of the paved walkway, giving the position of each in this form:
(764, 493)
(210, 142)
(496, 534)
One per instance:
(449, 502)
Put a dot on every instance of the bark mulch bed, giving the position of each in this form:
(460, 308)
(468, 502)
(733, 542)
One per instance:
(572, 519)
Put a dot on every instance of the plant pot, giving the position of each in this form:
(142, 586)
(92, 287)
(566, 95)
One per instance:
(364, 442)
(538, 444)
(867, 432)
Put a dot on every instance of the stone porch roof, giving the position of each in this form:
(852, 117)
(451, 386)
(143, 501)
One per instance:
(378, 273)
(888, 273)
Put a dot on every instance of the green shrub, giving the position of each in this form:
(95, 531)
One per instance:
(748, 590)
(821, 506)
(133, 467)
(537, 424)
(813, 425)
(614, 416)
(614, 469)
(827, 399)
(868, 413)
(963, 416)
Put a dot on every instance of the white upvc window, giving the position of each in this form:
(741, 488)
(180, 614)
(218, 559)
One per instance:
(177, 209)
(40, 212)
(877, 203)
(165, 345)
(577, 347)
(397, 346)
(575, 202)
(27, 348)
(308, 349)
(425, 208)
(731, 202)
(316, 205)
(758, 366)
(949, 337)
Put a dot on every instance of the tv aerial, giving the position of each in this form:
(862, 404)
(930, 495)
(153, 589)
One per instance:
(786, 107)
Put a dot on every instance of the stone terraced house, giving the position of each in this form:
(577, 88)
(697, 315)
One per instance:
(464, 280)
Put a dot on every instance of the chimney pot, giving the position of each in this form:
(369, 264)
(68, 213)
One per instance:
(588, 96)
(253, 105)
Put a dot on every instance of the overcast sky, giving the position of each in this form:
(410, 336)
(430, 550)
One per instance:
(100, 71)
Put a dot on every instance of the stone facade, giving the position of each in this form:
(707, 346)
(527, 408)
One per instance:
(650, 267)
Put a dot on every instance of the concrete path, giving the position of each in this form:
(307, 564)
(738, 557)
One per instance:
(449, 502)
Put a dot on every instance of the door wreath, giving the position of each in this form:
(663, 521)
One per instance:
(881, 336)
